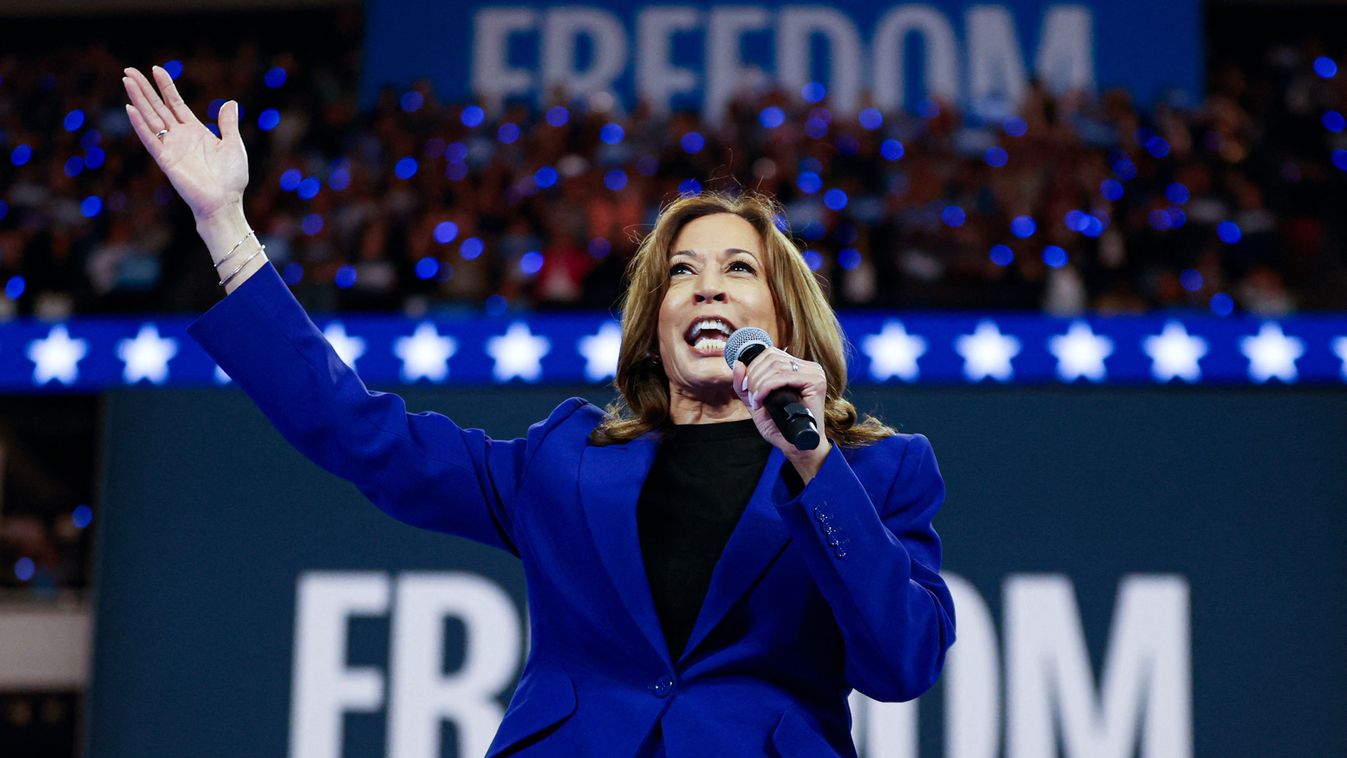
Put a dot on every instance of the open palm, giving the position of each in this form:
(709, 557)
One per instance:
(209, 173)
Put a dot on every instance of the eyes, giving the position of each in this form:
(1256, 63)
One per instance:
(737, 264)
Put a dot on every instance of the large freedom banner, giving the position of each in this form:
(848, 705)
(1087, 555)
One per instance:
(981, 56)
(1141, 572)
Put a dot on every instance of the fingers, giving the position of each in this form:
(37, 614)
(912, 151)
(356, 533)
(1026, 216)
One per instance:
(147, 101)
(772, 370)
(175, 102)
(143, 131)
(229, 121)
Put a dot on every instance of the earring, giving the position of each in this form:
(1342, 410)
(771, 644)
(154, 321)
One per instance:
(652, 356)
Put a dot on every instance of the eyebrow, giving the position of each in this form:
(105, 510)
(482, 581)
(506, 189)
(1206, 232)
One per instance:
(727, 252)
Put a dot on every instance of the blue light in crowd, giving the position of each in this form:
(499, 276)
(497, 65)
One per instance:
(1111, 189)
(214, 129)
(612, 134)
(472, 116)
(771, 117)
(445, 232)
(1177, 194)
(558, 115)
(545, 177)
(1229, 232)
(1002, 255)
(412, 101)
(1159, 220)
(427, 268)
(835, 199)
(14, 287)
(928, 108)
(4, 209)
(1333, 121)
(1339, 159)
(1023, 227)
(406, 168)
(345, 277)
(1222, 304)
(815, 127)
(996, 156)
(174, 69)
(615, 179)
(1094, 226)
(600, 247)
(891, 149)
(1191, 280)
(456, 152)
(74, 120)
(91, 206)
(339, 180)
(94, 158)
(1075, 220)
(1325, 67)
(813, 260)
(809, 182)
(291, 179)
(496, 305)
(689, 187)
(213, 110)
(849, 258)
(470, 248)
(507, 134)
(73, 166)
(268, 119)
(24, 568)
(692, 142)
(871, 119)
(312, 224)
(20, 155)
(1157, 146)
(1177, 218)
(293, 273)
(953, 216)
(308, 189)
(781, 223)
(82, 516)
(813, 92)
(530, 263)
(1054, 256)
(1015, 126)
(1125, 169)
(90, 140)
(274, 78)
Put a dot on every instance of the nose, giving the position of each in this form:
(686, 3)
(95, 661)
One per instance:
(708, 294)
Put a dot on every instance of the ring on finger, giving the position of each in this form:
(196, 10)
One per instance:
(794, 365)
(160, 134)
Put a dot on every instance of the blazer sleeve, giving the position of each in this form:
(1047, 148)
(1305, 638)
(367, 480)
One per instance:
(877, 564)
(420, 468)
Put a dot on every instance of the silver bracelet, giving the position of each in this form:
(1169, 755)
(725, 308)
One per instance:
(235, 249)
(235, 272)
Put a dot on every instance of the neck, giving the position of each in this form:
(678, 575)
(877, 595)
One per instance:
(688, 407)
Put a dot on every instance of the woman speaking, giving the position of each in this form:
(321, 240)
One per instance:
(697, 584)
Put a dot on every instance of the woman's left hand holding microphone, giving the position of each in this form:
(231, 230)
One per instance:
(771, 370)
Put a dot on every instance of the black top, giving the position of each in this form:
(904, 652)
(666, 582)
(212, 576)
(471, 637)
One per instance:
(698, 487)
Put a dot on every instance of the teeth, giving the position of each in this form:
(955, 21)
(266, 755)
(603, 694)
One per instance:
(709, 325)
(707, 343)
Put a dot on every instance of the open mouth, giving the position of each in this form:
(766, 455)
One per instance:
(708, 335)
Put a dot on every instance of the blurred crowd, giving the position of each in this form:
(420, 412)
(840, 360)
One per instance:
(1067, 203)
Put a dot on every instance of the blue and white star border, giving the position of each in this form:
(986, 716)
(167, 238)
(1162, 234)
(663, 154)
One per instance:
(94, 354)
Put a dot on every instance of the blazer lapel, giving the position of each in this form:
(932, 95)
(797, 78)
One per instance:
(611, 478)
(756, 541)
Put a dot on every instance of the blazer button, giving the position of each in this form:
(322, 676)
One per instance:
(840, 552)
(662, 687)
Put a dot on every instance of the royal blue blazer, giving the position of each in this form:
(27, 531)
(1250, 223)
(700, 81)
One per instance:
(835, 588)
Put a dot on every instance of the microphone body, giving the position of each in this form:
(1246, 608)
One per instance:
(788, 412)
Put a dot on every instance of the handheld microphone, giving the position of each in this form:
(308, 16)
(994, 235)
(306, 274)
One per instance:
(790, 414)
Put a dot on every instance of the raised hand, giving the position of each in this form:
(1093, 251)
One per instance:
(209, 173)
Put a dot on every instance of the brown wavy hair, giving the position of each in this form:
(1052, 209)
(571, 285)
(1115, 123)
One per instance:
(808, 324)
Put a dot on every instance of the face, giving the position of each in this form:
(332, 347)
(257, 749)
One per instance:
(717, 283)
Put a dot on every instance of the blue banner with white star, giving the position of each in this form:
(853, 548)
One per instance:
(946, 348)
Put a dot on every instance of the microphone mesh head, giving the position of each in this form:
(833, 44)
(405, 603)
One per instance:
(742, 338)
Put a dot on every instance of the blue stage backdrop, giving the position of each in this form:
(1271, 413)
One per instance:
(697, 54)
(1149, 572)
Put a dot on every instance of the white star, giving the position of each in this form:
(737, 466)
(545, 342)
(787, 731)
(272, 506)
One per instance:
(518, 353)
(147, 355)
(987, 352)
(221, 377)
(1271, 353)
(57, 356)
(1174, 353)
(893, 352)
(1340, 347)
(1080, 352)
(601, 351)
(349, 349)
(425, 354)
